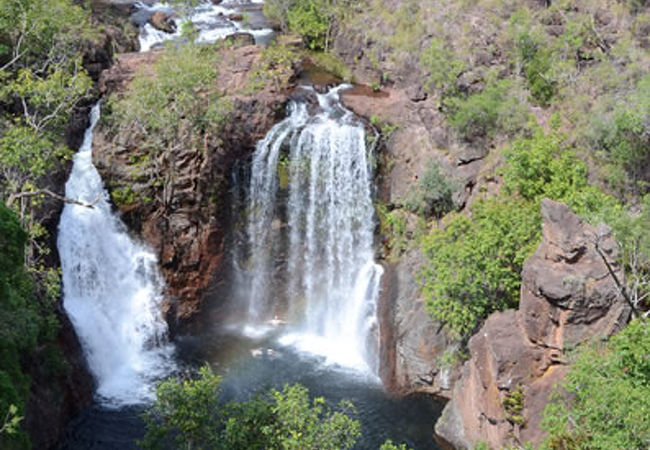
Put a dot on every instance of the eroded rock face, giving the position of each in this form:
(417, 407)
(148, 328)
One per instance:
(567, 297)
(413, 344)
(185, 222)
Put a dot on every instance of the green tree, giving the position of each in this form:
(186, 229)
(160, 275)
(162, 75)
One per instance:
(497, 108)
(604, 403)
(24, 324)
(442, 65)
(187, 411)
(545, 166)
(434, 193)
(625, 138)
(190, 414)
(474, 264)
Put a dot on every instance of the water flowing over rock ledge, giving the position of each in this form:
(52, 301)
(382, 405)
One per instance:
(188, 231)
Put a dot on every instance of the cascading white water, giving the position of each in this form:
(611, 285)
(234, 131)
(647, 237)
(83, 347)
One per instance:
(326, 247)
(112, 289)
(210, 21)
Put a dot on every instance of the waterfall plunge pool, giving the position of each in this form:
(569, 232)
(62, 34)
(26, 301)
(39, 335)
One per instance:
(252, 364)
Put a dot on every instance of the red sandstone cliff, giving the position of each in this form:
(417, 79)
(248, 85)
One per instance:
(567, 297)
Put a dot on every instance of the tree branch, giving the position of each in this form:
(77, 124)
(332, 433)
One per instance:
(620, 286)
(14, 197)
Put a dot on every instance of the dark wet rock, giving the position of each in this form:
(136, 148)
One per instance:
(163, 21)
(186, 222)
(412, 342)
(240, 39)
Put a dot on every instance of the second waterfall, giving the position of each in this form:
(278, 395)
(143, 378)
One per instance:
(308, 255)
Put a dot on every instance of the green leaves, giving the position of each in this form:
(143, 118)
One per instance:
(442, 65)
(12, 421)
(498, 108)
(314, 20)
(434, 193)
(179, 98)
(190, 413)
(606, 403)
(474, 265)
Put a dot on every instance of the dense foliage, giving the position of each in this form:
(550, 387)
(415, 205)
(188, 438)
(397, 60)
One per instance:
(25, 322)
(497, 108)
(41, 45)
(604, 402)
(190, 414)
(474, 262)
(181, 91)
(434, 193)
(314, 20)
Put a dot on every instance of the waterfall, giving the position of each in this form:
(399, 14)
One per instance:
(310, 234)
(112, 289)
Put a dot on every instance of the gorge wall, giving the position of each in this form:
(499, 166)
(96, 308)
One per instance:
(567, 298)
(186, 222)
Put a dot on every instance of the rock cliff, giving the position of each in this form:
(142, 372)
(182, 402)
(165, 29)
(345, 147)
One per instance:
(567, 298)
(186, 224)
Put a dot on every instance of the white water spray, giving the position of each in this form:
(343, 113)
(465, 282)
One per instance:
(112, 290)
(210, 21)
(326, 246)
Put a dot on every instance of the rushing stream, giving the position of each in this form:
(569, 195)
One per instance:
(211, 22)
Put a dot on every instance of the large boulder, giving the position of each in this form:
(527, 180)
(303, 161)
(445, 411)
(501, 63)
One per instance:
(567, 298)
(163, 21)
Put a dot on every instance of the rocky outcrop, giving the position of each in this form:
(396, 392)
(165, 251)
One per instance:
(163, 21)
(567, 298)
(185, 222)
(413, 344)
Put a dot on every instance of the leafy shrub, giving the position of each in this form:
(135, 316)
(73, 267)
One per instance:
(474, 265)
(309, 18)
(314, 20)
(497, 108)
(625, 137)
(604, 401)
(434, 193)
(189, 412)
(442, 65)
(180, 100)
(544, 166)
(275, 67)
(19, 321)
(533, 56)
